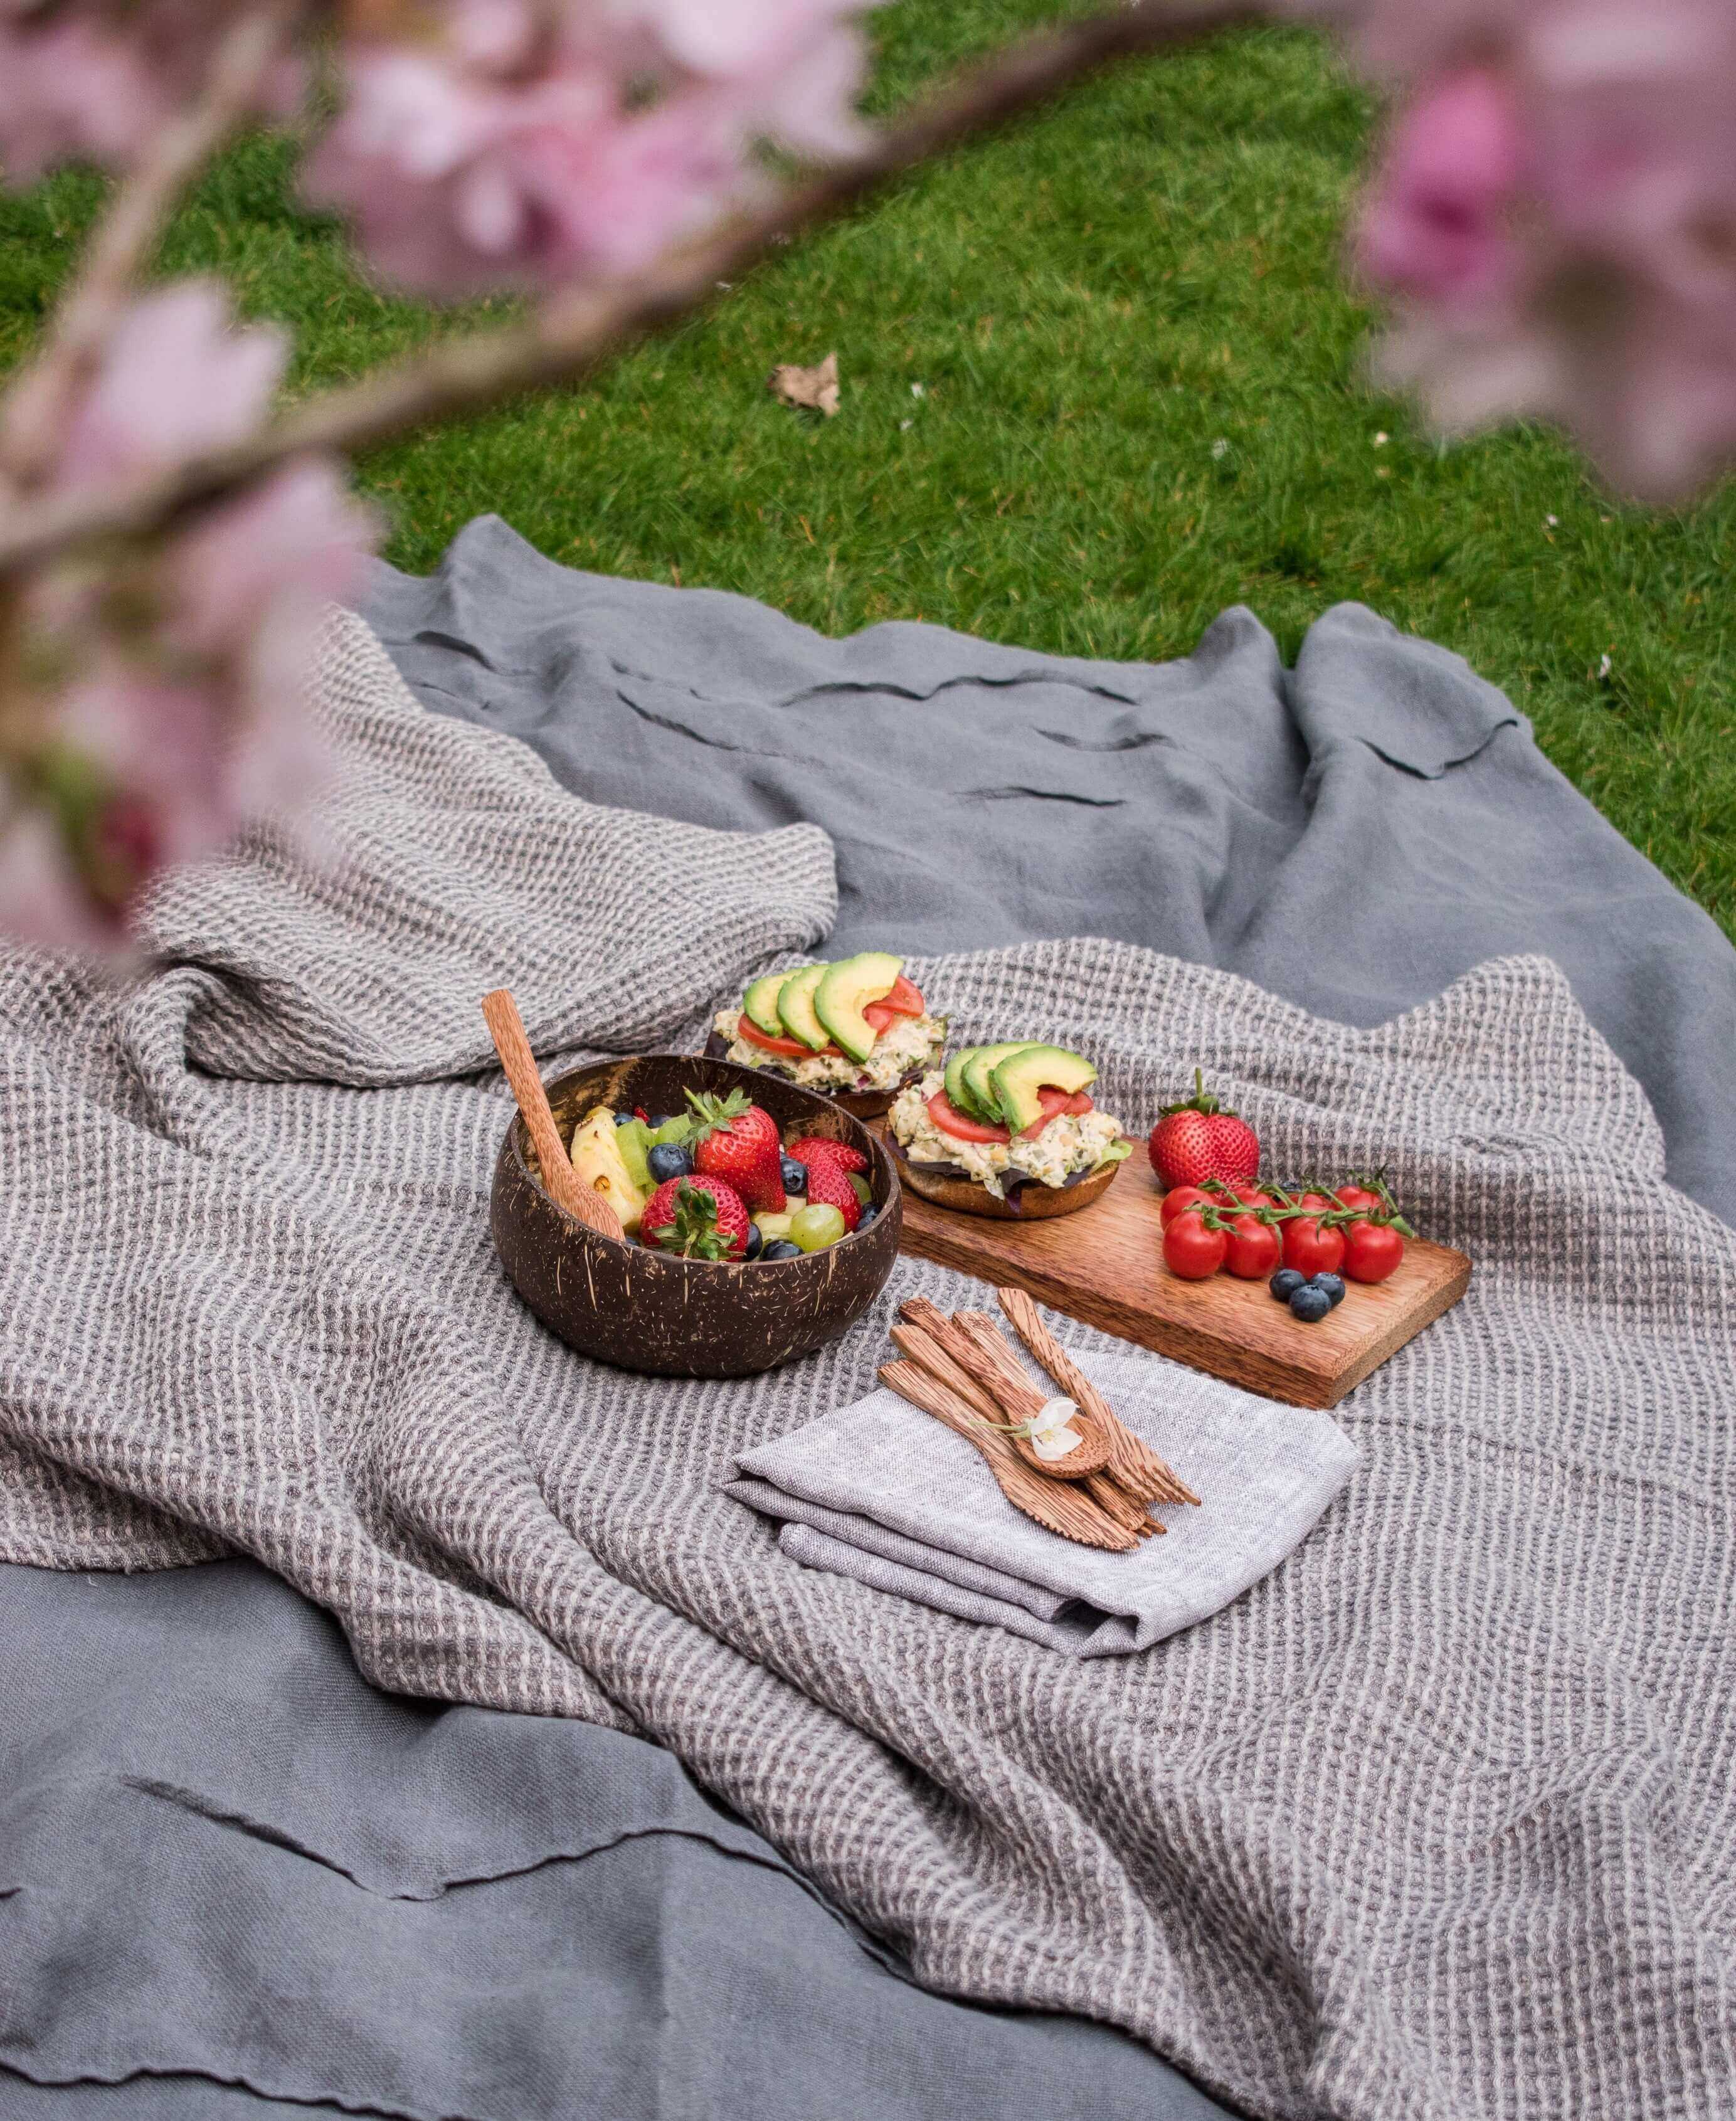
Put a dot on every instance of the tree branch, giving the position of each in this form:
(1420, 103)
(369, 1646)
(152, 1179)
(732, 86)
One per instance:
(574, 333)
(127, 238)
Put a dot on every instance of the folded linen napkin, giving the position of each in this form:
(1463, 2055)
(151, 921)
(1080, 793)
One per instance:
(880, 1492)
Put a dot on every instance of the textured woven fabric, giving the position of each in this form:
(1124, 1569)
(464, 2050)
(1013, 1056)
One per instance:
(1436, 1821)
(880, 1492)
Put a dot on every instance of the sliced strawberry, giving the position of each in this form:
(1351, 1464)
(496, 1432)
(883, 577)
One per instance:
(792, 1049)
(949, 1120)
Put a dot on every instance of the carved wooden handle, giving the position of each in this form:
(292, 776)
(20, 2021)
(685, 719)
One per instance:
(560, 1182)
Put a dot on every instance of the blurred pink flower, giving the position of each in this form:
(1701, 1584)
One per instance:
(1554, 215)
(517, 149)
(96, 80)
(1436, 225)
(175, 713)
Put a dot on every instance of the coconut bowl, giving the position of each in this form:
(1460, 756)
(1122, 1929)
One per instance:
(640, 1309)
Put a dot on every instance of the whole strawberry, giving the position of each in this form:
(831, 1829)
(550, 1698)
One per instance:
(701, 1218)
(1198, 1139)
(736, 1141)
(806, 1146)
(829, 1187)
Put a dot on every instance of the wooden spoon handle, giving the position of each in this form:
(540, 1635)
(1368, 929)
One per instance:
(560, 1182)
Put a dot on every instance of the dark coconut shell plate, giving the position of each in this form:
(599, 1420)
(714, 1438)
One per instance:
(639, 1309)
(864, 1104)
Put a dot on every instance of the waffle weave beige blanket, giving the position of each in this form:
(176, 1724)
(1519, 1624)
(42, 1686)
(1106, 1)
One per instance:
(1437, 1820)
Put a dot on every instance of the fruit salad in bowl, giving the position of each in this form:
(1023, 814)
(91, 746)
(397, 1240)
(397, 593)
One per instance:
(1009, 1130)
(857, 1031)
(759, 1220)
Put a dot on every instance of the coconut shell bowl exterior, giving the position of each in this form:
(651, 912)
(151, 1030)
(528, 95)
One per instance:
(641, 1309)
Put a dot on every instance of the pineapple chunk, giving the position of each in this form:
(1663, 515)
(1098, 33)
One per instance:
(597, 1158)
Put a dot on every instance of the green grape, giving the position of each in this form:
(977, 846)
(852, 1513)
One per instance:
(815, 1228)
(863, 1191)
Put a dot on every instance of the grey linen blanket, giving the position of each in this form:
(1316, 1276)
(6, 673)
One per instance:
(880, 1492)
(1437, 1819)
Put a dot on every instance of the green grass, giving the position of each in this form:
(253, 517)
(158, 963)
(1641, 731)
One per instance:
(1140, 401)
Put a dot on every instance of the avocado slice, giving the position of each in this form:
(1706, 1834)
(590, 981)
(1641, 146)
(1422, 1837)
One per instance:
(795, 1006)
(1018, 1078)
(957, 1096)
(846, 991)
(979, 1088)
(759, 1004)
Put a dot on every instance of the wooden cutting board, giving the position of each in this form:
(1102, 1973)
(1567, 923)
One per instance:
(1105, 1265)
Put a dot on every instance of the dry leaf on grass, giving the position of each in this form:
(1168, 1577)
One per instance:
(815, 389)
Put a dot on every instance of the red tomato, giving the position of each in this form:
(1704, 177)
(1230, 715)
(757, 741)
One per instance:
(1358, 1197)
(1371, 1250)
(1309, 1249)
(1313, 1199)
(1252, 1250)
(903, 1001)
(1180, 1197)
(1191, 1250)
(949, 1120)
(791, 1048)
(1053, 1100)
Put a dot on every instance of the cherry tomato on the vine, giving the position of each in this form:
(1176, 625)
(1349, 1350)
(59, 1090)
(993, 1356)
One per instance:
(1371, 1250)
(1311, 1250)
(1353, 1196)
(1252, 1249)
(1190, 1249)
(1179, 1198)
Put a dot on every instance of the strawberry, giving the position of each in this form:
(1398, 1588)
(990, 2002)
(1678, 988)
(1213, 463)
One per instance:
(699, 1218)
(738, 1141)
(1198, 1139)
(829, 1187)
(806, 1146)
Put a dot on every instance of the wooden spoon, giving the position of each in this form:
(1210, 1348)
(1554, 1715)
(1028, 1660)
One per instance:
(560, 1182)
(1054, 1504)
(974, 1344)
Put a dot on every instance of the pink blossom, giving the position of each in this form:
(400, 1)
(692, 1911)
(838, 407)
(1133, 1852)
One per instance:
(176, 710)
(1555, 216)
(97, 80)
(176, 381)
(515, 151)
(1437, 224)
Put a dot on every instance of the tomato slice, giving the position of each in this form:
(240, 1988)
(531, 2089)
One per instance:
(1053, 1102)
(949, 1120)
(903, 1001)
(792, 1049)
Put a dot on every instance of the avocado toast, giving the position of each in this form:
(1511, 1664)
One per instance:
(857, 1031)
(1007, 1130)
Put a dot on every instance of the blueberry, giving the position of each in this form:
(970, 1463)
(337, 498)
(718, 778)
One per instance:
(665, 1162)
(866, 1217)
(756, 1239)
(624, 1119)
(1332, 1283)
(1285, 1283)
(1310, 1304)
(795, 1176)
(781, 1248)
(659, 1119)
